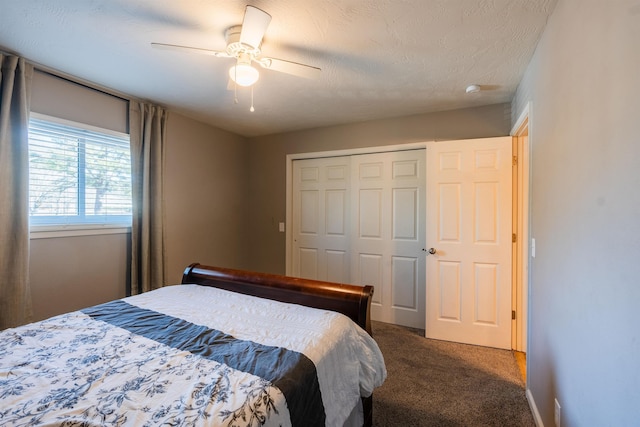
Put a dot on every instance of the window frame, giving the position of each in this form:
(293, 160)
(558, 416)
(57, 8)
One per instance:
(40, 231)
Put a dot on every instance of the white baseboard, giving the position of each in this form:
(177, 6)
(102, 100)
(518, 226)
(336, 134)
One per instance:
(534, 409)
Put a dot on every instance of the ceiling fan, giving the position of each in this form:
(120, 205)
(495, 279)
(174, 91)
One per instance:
(244, 45)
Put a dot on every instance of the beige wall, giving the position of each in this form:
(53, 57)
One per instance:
(205, 193)
(224, 194)
(70, 273)
(584, 340)
(62, 98)
(267, 160)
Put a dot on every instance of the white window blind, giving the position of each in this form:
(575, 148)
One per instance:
(78, 174)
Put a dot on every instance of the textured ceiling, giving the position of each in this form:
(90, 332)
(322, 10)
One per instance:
(379, 58)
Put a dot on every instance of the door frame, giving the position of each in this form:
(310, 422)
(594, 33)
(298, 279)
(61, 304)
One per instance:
(521, 134)
(317, 155)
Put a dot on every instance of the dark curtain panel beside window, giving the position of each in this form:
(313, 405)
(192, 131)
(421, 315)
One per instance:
(15, 91)
(147, 124)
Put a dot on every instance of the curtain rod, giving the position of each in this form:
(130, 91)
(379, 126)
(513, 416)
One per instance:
(73, 79)
(82, 83)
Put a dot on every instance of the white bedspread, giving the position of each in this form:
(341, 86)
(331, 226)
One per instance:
(81, 369)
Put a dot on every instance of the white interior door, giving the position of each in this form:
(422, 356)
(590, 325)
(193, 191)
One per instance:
(388, 210)
(321, 229)
(469, 227)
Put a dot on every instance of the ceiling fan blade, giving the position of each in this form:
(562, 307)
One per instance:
(254, 26)
(189, 49)
(290, 67)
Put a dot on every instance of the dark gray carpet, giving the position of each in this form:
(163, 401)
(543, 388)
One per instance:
(439, 383)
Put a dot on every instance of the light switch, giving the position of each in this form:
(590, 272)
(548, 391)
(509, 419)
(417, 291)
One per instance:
(281, 227)
(533, 248)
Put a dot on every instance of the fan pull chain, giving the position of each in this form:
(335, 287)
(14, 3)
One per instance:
(235, 86)
(252, 109)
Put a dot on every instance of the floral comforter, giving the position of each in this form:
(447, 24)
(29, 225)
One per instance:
(188, 356)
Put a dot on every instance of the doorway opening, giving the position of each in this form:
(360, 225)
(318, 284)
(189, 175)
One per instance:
(520, 266)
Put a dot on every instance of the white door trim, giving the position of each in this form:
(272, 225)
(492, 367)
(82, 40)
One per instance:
(522, 127)
(314, 155)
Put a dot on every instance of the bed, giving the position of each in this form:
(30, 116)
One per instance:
(225, 348)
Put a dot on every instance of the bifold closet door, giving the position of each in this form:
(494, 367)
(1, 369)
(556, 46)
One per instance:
(361, 219)
(321, 216)
(388, 217)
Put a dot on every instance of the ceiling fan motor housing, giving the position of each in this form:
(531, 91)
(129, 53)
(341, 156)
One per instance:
(235, 48)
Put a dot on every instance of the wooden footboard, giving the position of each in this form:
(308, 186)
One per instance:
(350, 300)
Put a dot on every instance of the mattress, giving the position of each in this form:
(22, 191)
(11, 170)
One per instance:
(188, 355)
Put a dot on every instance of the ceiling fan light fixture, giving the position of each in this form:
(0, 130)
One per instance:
(244, 74)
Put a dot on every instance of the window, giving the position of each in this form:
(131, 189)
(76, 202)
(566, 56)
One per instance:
(78, 174)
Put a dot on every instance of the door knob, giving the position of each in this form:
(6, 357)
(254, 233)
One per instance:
(432, 251)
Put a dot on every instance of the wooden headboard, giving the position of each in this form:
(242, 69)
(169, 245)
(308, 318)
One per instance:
(351, 300)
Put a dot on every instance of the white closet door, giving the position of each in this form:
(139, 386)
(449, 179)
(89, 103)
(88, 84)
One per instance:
(321, 215)
(469, 227)
(388, 217)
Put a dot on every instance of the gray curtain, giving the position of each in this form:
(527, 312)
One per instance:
(147, 124)
(15, 88)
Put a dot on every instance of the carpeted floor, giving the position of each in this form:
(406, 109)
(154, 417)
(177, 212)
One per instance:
(439, 383)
